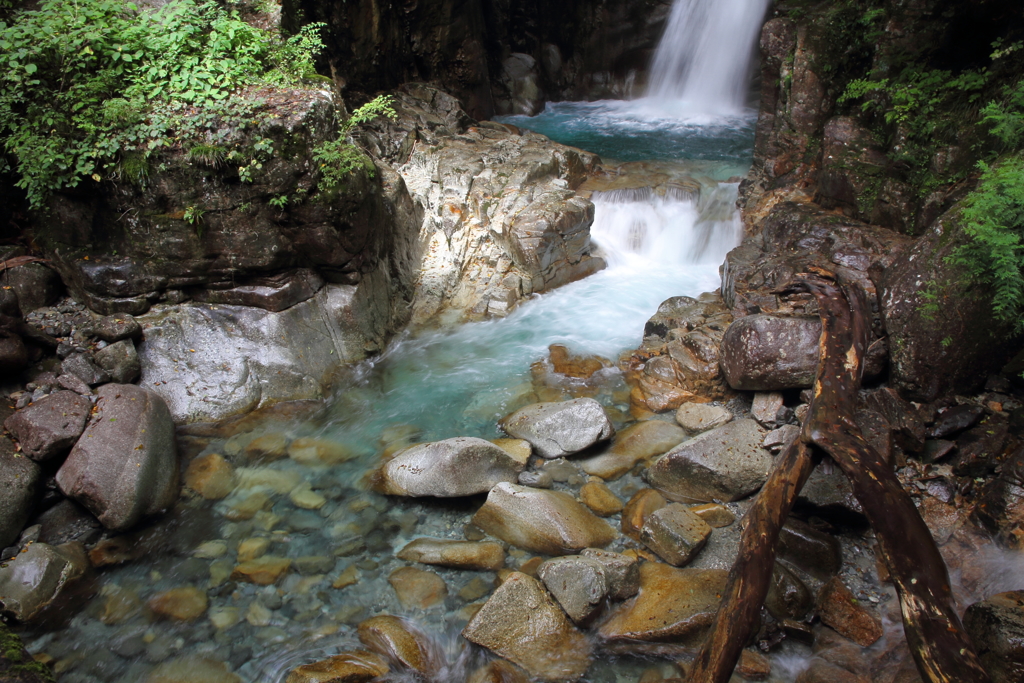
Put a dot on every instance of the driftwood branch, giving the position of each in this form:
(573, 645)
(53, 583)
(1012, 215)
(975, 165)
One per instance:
(937, 640)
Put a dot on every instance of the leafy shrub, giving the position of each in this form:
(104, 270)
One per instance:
(95, 87)
(338, 158)
(993, 217)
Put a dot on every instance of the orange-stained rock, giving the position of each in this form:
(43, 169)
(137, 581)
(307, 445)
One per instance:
(674, 605)
(715, 515)
(350, 667)
(499, 671)
(211, 476)
(637, 443)
(839, 609)
(580, 367)
(181, 604)
(417, 588)
(401, 643)
(262, 571)
(639, 507)
(549, 522)
(522, 623)
(600, 499)
(486, 556)
(266, 448)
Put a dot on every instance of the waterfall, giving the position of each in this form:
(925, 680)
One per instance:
(676, 229)
(704, 57)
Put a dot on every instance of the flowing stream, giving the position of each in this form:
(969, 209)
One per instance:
(439, 385)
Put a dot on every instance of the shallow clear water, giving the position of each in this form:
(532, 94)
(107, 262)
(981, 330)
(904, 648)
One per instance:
(651, 128)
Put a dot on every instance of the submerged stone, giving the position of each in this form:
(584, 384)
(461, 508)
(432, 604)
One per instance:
(350, 667)
(401, 642)
(417, 588)
(487, 556)
(637, 443)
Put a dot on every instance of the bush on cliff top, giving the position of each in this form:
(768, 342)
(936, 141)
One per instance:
(93, 88)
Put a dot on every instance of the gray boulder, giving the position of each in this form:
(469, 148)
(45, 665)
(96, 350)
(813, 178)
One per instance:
(34, 578)
(700, 417)
(621, 571)
(121, 361)
(725, 464)
(767, 353)
(675, 534)
(114, 328)
(559, 429)
(125, 466)
(51, 426)
(462, 466)
(579, 584)
(82, 367)
(19, 485)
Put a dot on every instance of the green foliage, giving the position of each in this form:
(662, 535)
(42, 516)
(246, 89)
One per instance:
(1005, 116)
(278, 202)
(993, 217)
(338, 158)
(193, 215)
(208, 155)
(88, 83)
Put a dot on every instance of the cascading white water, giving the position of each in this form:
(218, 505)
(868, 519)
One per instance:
(669, 230)
(704, 57)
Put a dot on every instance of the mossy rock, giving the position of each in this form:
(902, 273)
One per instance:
(16, 664)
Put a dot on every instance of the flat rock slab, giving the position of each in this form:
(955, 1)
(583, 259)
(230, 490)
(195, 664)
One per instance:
(486, 556)
(125, 465)
(700, 417)
(521, 623)
(462, 466)
(636, 443)
(51, 426)
(768, 353)
(675, 534)
(559, 429)
(727, 463)
(541, 521)
(674, 605)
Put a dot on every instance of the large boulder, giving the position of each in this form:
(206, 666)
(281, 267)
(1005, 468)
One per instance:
(767, 353)
(462, 466)
(20, 482)
(726, 464)
(125, 465)
(943, 335)
(51, 426)
(521, 623)
(35, 577)
(549, 522)
(996, 625)
(559, 429)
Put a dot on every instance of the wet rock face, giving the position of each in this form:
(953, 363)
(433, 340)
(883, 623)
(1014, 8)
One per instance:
(523, 624)
(494, 58)
(559, 429)
(247, 252)
(767, 353)
(125, 465)
(462, 466)
(501, 217)
(996, 625)
(549, 522)
(20, 483)
(36, 577)
(1001, 510)
(950, 349)
(727, 464)
(51, 426)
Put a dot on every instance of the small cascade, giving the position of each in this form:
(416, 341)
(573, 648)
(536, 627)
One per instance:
(705, 55)
(678, 228)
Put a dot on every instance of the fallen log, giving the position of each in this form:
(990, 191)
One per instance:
(940, 646)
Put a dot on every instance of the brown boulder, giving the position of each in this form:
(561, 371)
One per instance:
(401, 642)
(521, 623)
(636, 443)
(768, 353)
(549, 522)
(350, 667)
(51, 426)
(417, 588)
(486, 556)
(839, 609)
